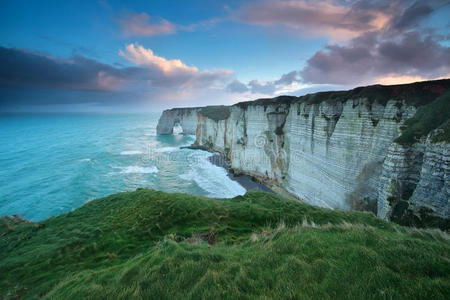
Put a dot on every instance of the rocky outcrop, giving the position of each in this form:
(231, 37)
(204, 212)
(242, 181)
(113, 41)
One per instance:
(336, 152)
(416, 177)
(185, 117)
(433, 187)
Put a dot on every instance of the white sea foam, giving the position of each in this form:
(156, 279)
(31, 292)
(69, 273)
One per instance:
(85, 159)
(177, 129)
(137, 170)
(211, 178)
(131, 152)
(191, 140)
(165, 149)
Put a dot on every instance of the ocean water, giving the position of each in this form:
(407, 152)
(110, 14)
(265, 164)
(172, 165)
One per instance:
(53, 163)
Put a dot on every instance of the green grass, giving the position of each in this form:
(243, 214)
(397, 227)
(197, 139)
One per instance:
(150, 244)
(443, 134)
(268, 101)
(427, 118)
(217, 113)
(416, 94)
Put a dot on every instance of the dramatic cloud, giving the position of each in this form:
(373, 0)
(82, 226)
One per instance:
(319, 17)
(23, 70)
(145, 57)
(174, 72)
(384, 40)
(338, 20)
(370, 41)
(134, 24)
(27, 69)
(373, 56)
(413, 15)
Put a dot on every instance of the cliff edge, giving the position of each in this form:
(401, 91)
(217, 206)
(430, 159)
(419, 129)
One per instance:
(357, 149)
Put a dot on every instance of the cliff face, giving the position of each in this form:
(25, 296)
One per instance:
(185, 117)
(326, 153)
(337, 154)
(415, 177)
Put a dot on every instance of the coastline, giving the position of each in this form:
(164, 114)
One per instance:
(218, 159)
(248, 182)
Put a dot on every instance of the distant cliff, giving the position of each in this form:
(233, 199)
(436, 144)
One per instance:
(337, 149)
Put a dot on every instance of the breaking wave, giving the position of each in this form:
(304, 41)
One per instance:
(211, 178)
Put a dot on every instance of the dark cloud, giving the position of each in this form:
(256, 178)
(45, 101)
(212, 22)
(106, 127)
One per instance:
(384, 38)
(372, 56)
(236, 87)
(29, 69)
(399, 49)
(32, 79)
(21, 68)
(413, 15)
(288, 78)
(23, 71)
(257, 87)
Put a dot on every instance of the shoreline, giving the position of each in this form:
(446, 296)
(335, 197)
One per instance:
(247, 182)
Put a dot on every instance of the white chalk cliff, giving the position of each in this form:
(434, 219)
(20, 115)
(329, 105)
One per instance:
(331, 153)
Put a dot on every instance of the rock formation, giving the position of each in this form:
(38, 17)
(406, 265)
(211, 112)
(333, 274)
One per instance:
(333, 149)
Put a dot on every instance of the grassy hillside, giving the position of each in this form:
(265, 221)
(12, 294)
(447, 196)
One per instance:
(150, 244)
(427, 118)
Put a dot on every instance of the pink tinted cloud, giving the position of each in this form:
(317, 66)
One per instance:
(172, 72)
(145, 57)
(323, 18)
(144, 25)
(109, 82)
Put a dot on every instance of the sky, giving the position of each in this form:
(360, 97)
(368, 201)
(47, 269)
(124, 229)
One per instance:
(142, 56)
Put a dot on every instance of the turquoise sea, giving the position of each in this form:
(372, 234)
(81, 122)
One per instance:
(53, 163)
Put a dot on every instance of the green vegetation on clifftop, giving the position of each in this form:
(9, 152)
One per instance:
(217, 113)
(416, 94)
(151, 244)
(427, 118)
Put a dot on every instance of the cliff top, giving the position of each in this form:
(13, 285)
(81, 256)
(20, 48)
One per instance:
(417, 94)
(431, 97)
(171, 246)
